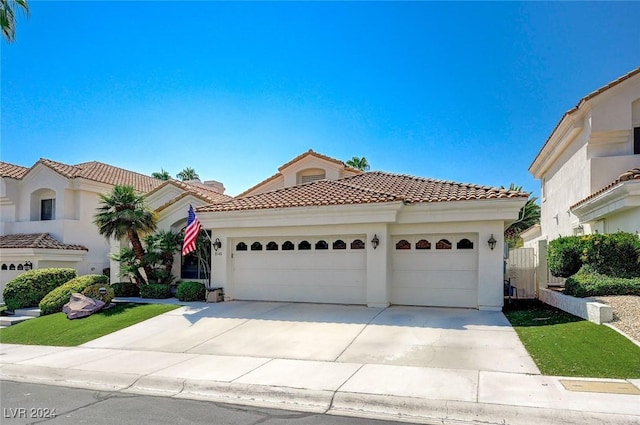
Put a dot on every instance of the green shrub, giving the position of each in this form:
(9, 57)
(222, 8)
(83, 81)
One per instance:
(28, 289)
(564, 256)
(155, 290)
(125, 289)
(615, 254)
(586, 284)
(93, 291)
(56, 299)
(190, 291)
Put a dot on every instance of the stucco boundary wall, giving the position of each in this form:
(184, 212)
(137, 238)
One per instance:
(582, 307)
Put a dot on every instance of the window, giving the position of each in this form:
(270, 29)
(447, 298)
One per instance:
(322, 245)
(423, 244)
(339, 244)
(272, 246)
(443, 244)
(287, 246)
(241, 246)
(256, 246)
(636, 141)
(47, 209)
(304, 246)
(403, 244)
(20, 267)
(464, 244)
(357, 244)
(12, 267)
(4, 267)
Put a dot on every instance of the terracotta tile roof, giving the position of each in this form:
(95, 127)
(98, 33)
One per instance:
(585, 99)
(631, 175)
(37, 241)
(12, 171)
(372, 187)
(194, 188)
(310, 152)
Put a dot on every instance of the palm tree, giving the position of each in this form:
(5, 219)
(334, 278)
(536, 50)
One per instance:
(8, 17)
(188, 174)
(123, 213)
(161, 248)
(359, 163)
(529, 215)
(161, 175)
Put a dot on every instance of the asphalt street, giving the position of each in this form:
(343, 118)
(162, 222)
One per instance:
(23, 403)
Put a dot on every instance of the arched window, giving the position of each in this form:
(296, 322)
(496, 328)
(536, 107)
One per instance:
(256, 246)
(12, 267)
(241, 246)
(403, 244)
(4, 267)
(304, 246)
(357, 244)
(20, 267)
(423, 244)
(464, 244)
(322, 245)
(339, 244)
(287, 246)
(443, 244)
(272, 246)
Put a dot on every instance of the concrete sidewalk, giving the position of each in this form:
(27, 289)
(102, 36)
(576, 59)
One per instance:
(420, 394)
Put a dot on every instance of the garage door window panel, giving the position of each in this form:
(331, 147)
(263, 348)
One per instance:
(339, 244)
(272, 246)
(304, 246)
(322, 245)
(288, 246)
(464, 244)
(256, 246)
(357, 244)
(403, 244)
(241, 246)
(423, 244)
(443, 244)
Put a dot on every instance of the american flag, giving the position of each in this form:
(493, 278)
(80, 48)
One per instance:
(191, 232)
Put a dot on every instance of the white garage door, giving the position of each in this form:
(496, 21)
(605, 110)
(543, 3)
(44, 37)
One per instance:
(314, 269)
(435, 270)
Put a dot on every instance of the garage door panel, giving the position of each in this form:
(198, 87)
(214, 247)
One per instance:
(432, 277)
(323, 276)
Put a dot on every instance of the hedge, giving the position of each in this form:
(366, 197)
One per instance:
(155, 290)
(28, 289)
(586, 284)
(191, 291)
(56, 299)
(125, 289)
(93, 291)
(614, 254)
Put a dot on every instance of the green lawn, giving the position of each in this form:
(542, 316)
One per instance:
(564, 345)
(56, 329)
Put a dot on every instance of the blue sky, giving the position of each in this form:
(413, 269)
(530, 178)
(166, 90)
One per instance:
(467, 92)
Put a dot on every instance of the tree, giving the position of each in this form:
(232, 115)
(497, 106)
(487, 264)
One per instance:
(359, 163)
(161, 248)
(8, 10)
(188, 174)
(161, 175)
(528, 216)
(124, 213)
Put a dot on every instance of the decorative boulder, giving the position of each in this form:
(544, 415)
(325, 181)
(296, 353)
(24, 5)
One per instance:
(81, 306)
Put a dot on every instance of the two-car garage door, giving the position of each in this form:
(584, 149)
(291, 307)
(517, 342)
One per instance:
(435, 270)
(311, 269)
(427, 270)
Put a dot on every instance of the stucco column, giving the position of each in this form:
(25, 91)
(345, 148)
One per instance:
(221, 262)
(114, 248)
(378, 267)
(490, 267)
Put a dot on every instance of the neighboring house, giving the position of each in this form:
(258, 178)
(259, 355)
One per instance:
(47, 213)
(319, 231)
(589, 167)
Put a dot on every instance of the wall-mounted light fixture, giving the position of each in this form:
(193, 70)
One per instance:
(492, 242)
(217, 244)
(28, 265)
(375, 241)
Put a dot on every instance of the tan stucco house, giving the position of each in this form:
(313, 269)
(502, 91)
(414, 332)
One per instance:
(319, 231)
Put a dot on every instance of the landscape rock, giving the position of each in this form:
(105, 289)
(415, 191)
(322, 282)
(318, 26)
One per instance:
(81, 306)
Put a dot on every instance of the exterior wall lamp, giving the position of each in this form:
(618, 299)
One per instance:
(217, 244)
(375, 241)
(28, 265)
(492, 242)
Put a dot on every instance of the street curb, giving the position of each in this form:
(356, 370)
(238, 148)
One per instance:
(456, 412)
(75, 378)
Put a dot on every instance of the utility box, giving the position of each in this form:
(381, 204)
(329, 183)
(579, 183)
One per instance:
(215, 295)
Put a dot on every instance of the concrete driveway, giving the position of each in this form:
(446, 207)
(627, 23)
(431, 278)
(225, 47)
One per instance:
(406, 336)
